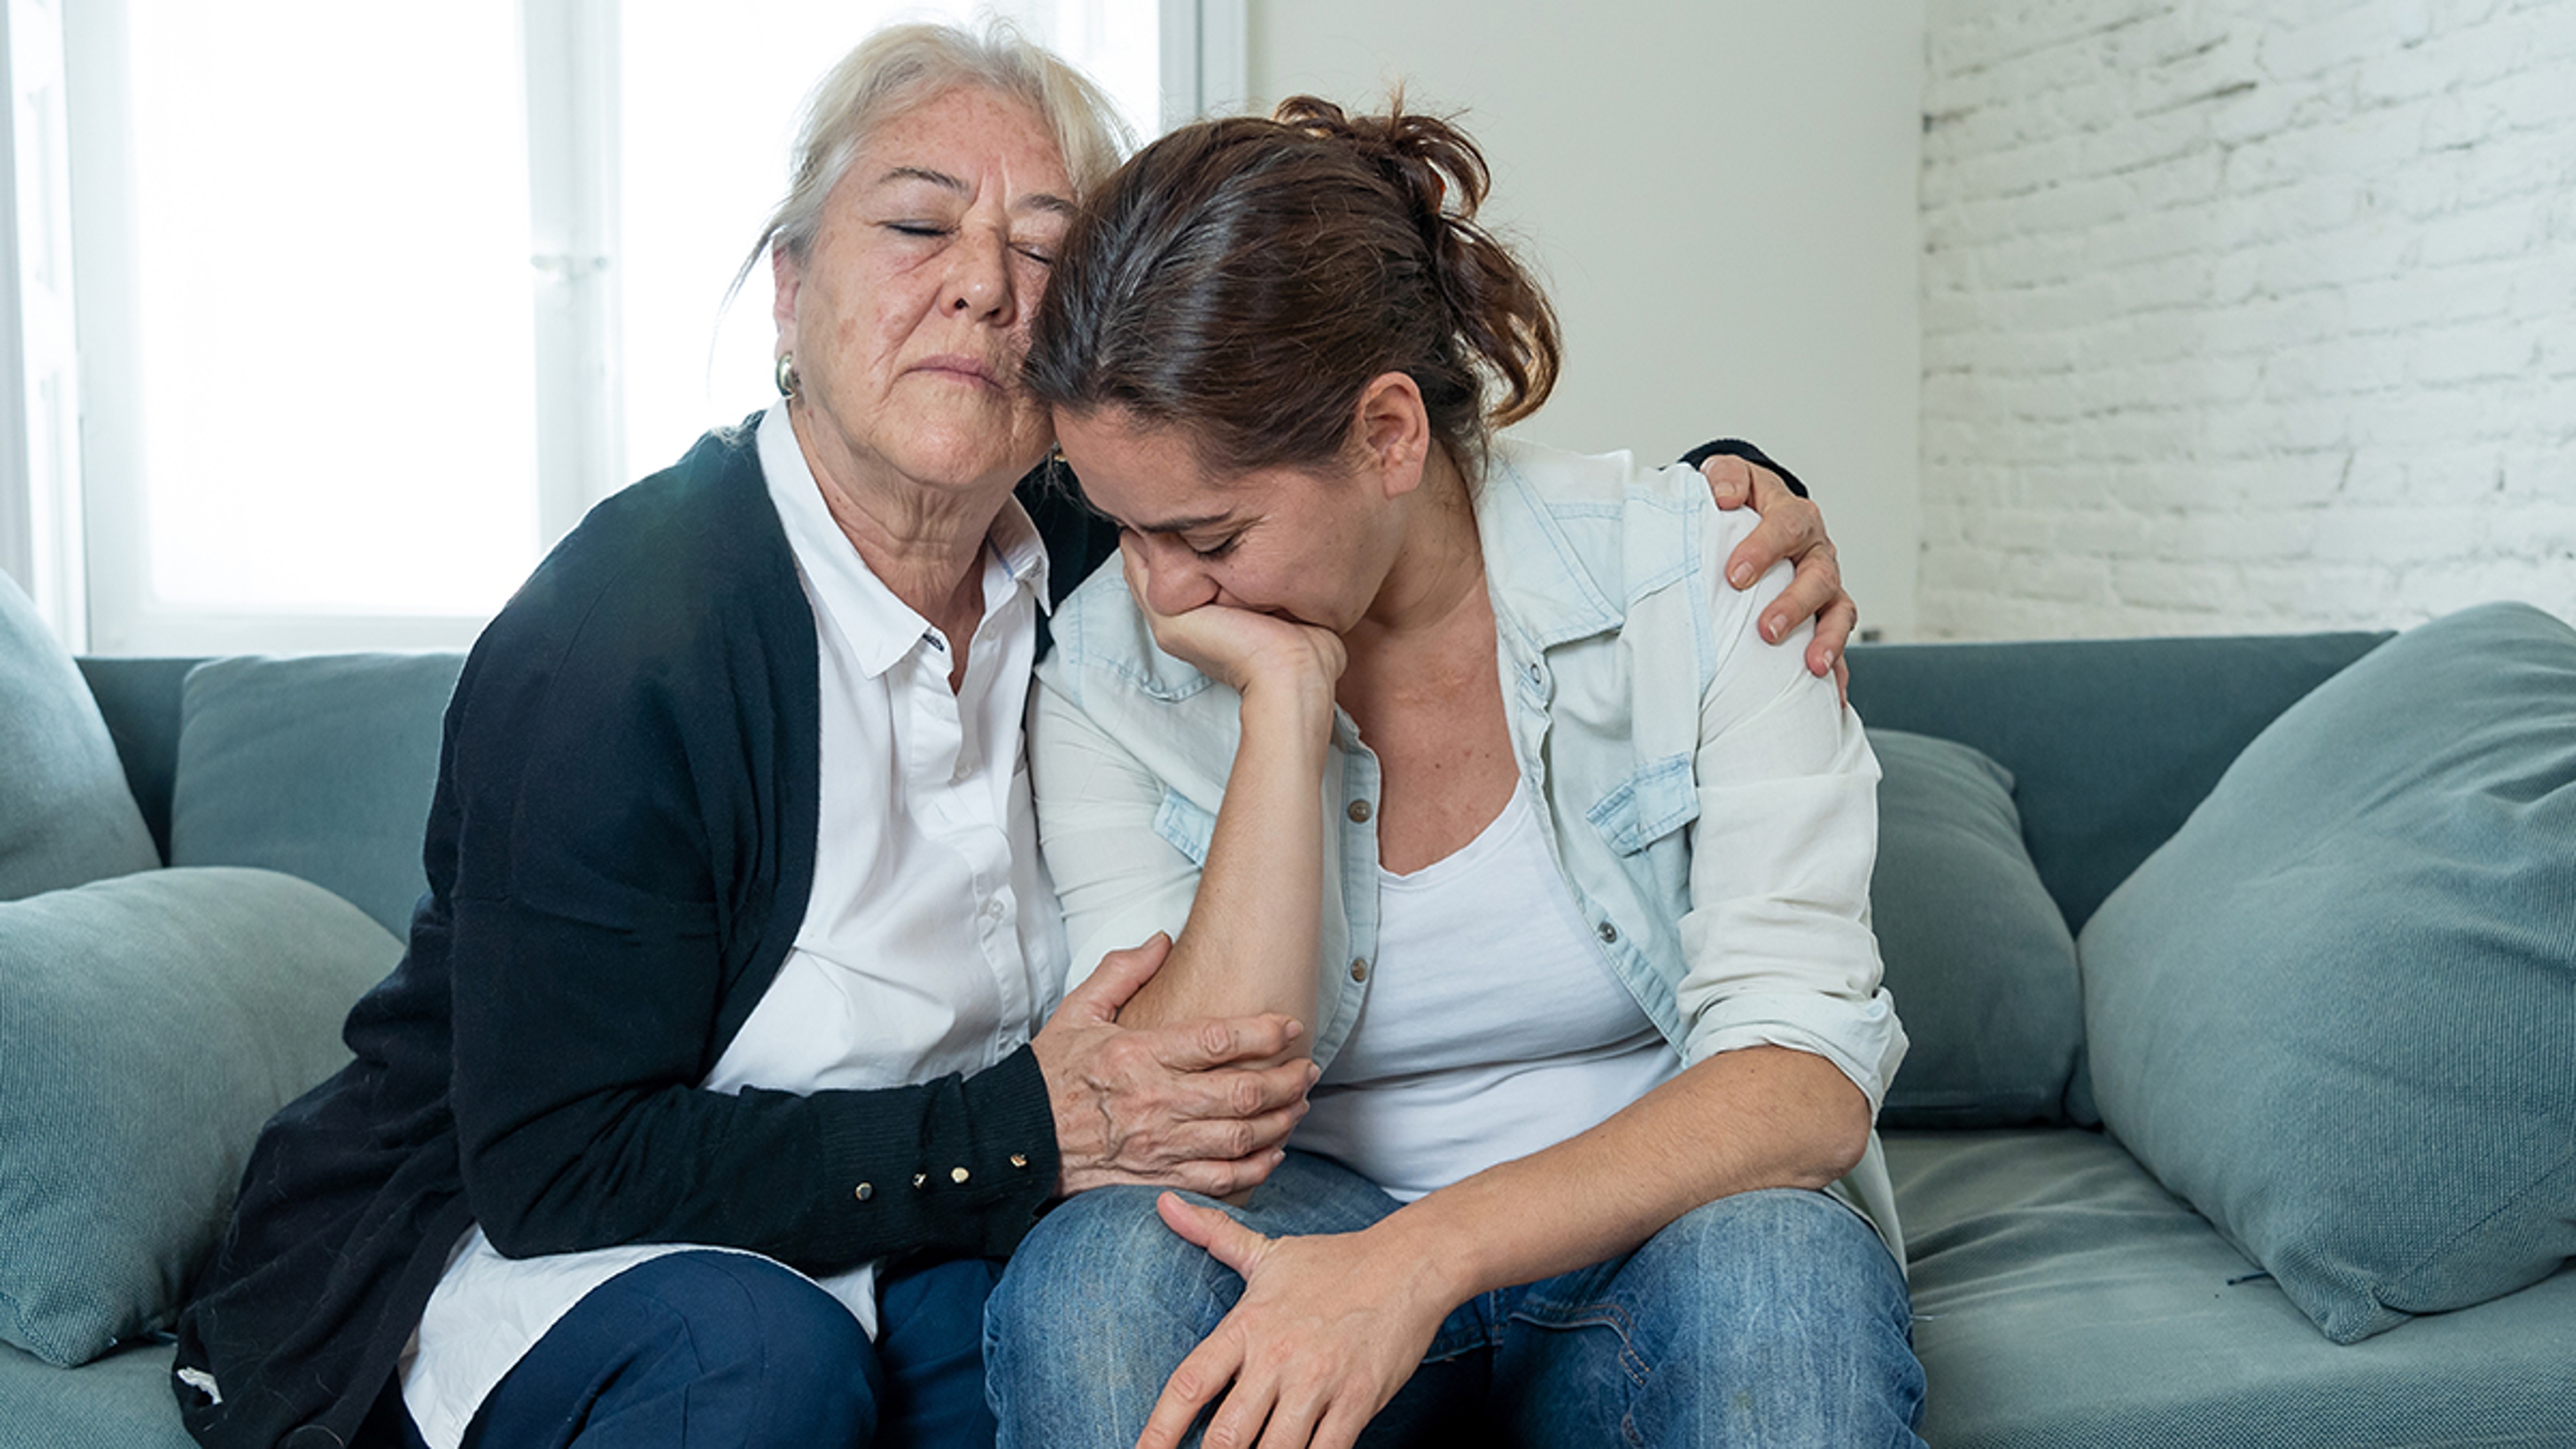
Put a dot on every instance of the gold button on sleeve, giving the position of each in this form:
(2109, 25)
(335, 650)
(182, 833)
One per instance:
(957, 1174)
(919, 1178)
(865, 1191)
(1019, 1159)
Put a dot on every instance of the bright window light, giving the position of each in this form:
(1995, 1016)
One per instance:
(331, 218)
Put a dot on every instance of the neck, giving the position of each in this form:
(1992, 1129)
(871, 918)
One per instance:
(922, 540)
(1437, 580)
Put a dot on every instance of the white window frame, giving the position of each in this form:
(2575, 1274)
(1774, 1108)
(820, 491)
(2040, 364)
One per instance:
(71, 459)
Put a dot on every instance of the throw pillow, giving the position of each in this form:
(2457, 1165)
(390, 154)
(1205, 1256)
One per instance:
(148, 1026)
(2335, 1012)
(320, 767)
(66, 816)
(1978, 957)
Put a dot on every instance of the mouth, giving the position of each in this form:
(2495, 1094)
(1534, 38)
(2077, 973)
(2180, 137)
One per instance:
(962, 368)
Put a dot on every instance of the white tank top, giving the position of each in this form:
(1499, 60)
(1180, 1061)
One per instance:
(1493, 1026)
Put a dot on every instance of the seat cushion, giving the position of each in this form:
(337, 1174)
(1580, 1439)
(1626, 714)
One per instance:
(2062, 1297)
(2335, 1011)
(66, 816)
(321, 767)
(122, 1401)
(149, 1025)
(1979, 960)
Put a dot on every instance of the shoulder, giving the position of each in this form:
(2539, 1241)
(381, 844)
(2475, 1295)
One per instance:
(1614, 529)
(676, 598)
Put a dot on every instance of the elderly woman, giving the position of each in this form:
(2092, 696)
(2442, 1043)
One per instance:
(721, 1073)
(1581, 925)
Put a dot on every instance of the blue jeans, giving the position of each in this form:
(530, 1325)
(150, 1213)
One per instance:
(707, 1350)
(1771, 1318)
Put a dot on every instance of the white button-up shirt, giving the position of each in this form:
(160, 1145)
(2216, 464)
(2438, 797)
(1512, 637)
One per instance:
(931, 943)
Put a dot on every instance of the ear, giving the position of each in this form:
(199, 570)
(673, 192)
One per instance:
(782, 309)
(1392, 430)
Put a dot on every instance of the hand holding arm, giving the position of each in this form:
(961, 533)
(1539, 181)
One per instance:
(1182, 1106)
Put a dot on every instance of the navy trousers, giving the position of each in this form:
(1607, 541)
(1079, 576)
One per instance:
(725, 1351)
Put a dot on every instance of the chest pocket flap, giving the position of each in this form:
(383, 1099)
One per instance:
(1657, 800)
(1185, 826)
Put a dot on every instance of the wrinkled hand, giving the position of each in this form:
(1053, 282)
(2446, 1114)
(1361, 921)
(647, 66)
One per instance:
(1327, 1330)
(1189, 1105)
(1232, 645)
(1792, 528)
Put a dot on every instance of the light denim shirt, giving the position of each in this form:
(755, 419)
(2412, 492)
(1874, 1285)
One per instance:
(1711, 805)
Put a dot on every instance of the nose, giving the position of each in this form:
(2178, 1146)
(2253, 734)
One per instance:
(979, 275)
(1176, 580)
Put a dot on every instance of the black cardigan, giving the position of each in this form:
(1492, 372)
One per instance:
(619, 854)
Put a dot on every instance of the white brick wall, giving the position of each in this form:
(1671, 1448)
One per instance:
(2246, 315)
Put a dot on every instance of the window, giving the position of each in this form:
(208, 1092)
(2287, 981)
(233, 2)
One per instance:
(373, 301)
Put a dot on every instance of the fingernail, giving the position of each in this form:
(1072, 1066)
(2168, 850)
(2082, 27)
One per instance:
(1828, 666)
(1741, 575)
(1771, 629)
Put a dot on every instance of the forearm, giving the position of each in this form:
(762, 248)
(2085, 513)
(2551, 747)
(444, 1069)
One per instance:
(1250, 942)
(1741, 1121)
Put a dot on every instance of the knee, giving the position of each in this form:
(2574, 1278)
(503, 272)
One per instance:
(1788, 1287)
(1100, 1303)
(762, 1346)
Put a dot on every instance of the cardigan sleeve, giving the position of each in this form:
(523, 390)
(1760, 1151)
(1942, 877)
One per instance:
(631, 768)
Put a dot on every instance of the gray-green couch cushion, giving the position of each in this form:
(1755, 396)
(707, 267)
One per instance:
(321, 767)
(148, 1026)
(66, 816)
(2062, 1298)
(2337, 1011)
(1978, 958)
(122, 1401)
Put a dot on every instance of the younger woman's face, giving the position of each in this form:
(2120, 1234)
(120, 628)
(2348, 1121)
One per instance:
(1309, 545)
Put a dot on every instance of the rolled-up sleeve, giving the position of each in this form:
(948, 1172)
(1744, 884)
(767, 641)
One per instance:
(1777, 938)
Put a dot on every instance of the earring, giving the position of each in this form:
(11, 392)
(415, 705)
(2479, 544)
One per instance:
(787, 379)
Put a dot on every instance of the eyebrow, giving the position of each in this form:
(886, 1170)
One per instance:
(1035, 201)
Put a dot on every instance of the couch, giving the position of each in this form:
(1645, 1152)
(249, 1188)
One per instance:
(2241, 974)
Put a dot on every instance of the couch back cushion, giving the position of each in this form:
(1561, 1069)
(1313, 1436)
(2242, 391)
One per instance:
(320, 767)
(2111, 742)
(1978, 958)
(149, 1025)
(2337, 1011)
(66, 816)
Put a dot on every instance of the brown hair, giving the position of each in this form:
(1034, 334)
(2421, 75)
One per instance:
(1244, 279)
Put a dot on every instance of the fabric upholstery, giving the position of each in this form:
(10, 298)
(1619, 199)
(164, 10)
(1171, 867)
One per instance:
(2335, 1011)
(149, 1025)
(320, 767)
(2062, 1298)
(2110, 741)
(1979, 960)
(122, 1400)
(66, 817)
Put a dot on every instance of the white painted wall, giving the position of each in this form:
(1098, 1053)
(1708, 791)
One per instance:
(1722, 196)
(2247, 315)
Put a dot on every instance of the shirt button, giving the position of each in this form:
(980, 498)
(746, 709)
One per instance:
(1359, 812)
(1359, 969)
(866, 1190)
(957, 1174)
(1019, 1159)
(1609, 934)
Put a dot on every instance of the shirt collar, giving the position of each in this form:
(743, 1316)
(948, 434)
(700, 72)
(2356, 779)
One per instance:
(880, 627)
(1533, 567)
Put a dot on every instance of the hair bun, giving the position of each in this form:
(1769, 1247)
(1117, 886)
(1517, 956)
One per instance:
(1425, 156)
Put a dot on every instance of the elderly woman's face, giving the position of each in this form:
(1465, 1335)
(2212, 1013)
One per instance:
(910, 312)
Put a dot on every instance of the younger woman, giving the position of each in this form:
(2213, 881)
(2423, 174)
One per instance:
(1461, 752)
